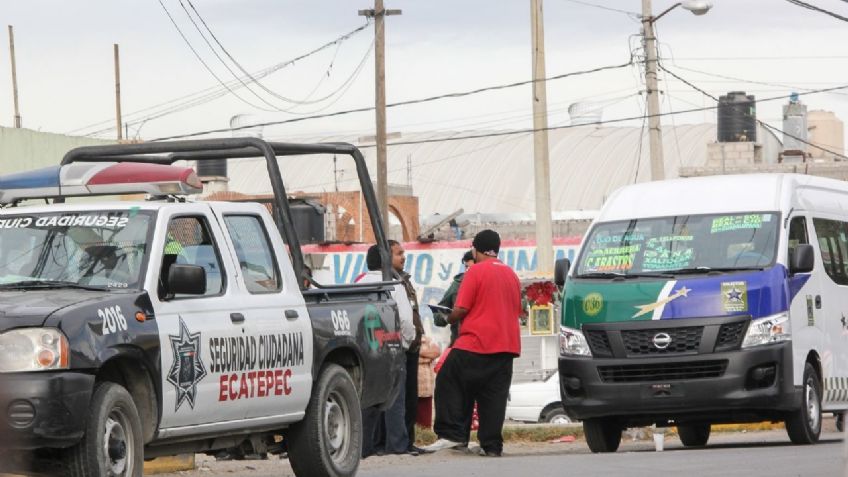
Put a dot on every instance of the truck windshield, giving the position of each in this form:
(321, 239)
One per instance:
(685, 244)
(91, 249)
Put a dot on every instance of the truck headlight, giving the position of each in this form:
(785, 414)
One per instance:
(33, 349)
(573, 343)
(771, 329)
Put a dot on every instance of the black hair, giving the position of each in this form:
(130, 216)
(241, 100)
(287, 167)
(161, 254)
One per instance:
(372, 259)
(487, 241)
(392, 243)
(467, 256)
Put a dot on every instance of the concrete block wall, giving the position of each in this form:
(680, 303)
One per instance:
(23, 149)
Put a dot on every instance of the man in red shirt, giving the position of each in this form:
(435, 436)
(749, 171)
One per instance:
(479, 366)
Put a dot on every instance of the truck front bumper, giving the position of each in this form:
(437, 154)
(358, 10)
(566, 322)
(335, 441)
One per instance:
(737, 386)
(44, 409)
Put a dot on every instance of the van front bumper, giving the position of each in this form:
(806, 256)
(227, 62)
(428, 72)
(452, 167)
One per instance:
(736, 386)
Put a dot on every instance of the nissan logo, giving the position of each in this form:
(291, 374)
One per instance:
(662, 340)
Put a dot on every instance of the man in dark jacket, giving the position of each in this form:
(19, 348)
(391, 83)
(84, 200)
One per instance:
(449, 298)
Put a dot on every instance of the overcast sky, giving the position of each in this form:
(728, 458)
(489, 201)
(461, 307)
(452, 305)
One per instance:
(66, 82)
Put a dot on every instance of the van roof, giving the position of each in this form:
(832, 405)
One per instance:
(714, 194)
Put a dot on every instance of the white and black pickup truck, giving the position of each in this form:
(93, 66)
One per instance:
(136, 329)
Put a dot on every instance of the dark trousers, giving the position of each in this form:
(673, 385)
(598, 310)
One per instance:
(411, 394)
(467, 377)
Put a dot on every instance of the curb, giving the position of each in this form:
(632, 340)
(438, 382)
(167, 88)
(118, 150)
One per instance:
(163, 465)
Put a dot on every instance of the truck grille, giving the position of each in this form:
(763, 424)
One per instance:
(634, 373)
(683, 340)
(599, 343)
(730, 335)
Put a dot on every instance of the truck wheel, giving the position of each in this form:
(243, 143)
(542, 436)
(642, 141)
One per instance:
(804, 425)
(555, 415)
(602, 434)
(840, 421)
(694, 435)
(112, 444)
(328, 441)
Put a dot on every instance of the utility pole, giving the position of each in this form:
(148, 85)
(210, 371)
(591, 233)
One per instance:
(654, 131)
(379, 13)
(120, 127)
(14, 76)
(541, 163)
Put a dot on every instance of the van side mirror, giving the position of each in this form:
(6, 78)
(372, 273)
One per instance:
(802, 259)
(561, 270)
(186, 279)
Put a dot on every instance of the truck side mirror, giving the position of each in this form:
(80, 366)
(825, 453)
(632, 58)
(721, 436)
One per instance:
(561, 270)
(802, 259)
(186, 279)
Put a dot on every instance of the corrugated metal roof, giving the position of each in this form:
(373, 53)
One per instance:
(495, 174)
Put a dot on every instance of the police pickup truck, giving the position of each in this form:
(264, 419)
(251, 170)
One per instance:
(136, 329)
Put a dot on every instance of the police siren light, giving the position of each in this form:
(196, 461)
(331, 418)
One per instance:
(104, 178)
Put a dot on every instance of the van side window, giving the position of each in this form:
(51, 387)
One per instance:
(189, 242)
(797, 234)
(833, 243)
(253, 249)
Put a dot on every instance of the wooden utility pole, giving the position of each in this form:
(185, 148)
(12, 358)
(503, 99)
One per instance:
(14, 76)
(120, 126)
(379, 13)
(654, 131)
(541, 163)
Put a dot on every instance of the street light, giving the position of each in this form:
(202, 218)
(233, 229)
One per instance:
(697, 7)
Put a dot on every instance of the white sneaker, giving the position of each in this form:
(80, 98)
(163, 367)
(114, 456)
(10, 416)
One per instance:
(442, 444)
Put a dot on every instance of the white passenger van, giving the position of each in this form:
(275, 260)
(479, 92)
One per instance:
(709, 300)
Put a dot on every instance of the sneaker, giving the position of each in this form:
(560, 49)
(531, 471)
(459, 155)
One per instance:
(442, 444)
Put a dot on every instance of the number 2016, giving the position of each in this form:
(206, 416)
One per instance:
(113, 319)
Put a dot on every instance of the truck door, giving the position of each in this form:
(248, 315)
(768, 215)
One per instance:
(832, 241)
(190, 324)
(278, 382)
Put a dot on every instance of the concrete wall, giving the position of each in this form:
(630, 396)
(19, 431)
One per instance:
(24, 149)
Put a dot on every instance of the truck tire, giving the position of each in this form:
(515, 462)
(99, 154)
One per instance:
(693, 435)
(602, 434)
(804, 424)
(112, 444)
(328, 441)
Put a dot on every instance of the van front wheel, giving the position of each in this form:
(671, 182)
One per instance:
(804, 424)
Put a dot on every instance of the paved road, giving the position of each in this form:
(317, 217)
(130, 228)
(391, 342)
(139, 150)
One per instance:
(753, 454)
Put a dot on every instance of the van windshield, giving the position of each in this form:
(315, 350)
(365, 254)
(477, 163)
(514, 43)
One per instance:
(92, 249)
(678, 245)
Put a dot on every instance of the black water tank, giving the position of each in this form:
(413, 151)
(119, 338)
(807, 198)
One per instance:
(737, 117)
(308, 218)
(212, 168)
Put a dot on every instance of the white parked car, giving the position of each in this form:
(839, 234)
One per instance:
(538, 401)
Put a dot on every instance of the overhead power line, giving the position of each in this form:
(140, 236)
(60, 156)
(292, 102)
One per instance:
(814, 8)
(604, 7)
(235, 62)
(202, 61)
(595, 123)
(404, 103)
(762, 123)
(203, 96)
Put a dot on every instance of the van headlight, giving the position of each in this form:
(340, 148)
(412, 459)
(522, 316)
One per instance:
(771, 329)
(572, 342)
(33, 349)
